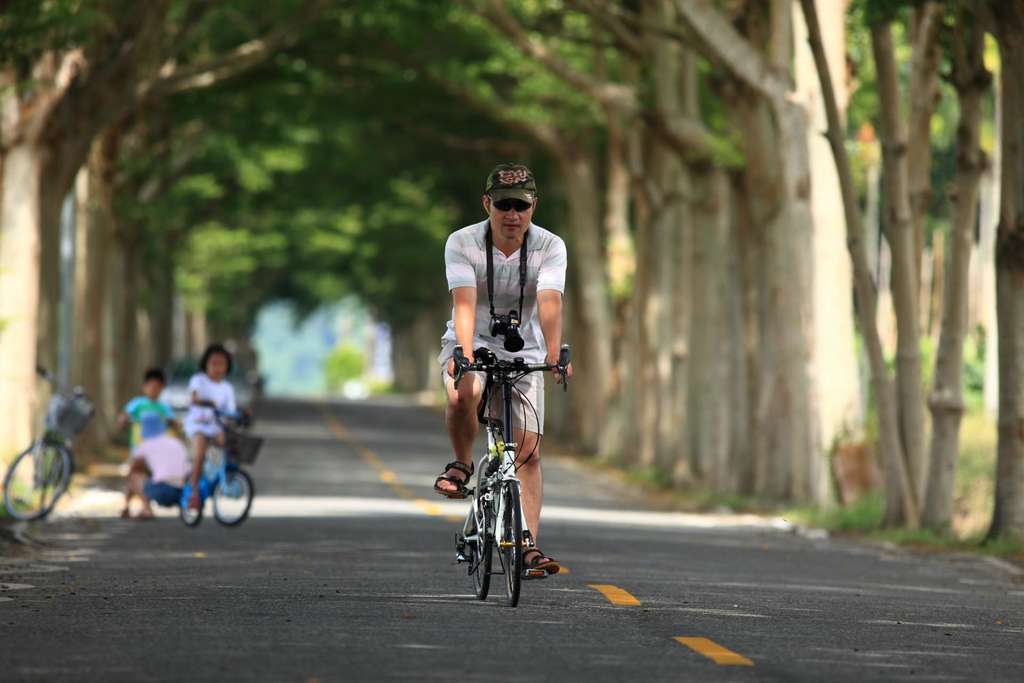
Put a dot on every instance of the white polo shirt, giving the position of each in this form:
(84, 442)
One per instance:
(465, 264)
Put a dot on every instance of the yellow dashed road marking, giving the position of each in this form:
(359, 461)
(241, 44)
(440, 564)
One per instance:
(615, 595)
(562, 569)
(199, 555)
(714, 651)
(432, 509)
(373, 460)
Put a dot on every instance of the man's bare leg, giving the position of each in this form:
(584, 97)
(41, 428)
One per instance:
(460, 417)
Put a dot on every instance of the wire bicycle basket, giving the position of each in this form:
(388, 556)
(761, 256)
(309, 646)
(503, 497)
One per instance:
(240, 446)
(68, 414)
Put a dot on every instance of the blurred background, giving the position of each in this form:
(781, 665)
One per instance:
(282, 175)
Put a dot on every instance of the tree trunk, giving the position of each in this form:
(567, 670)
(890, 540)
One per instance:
(926, 20)
(161, 310)
(414, 355)
(712, 405)
(676, 416)
(592, 334)
(938, 283)
(21, 168)
(48, 320)
(93, 335)
(899, 502)
(947, 405)
(834, 360)
(1008, 515)
(131, 358)
(80, 316)
(988, 217)
(619, 250)
(747, 240)
(905, 274)
(786, 442)
(785, 439)
(662, 183)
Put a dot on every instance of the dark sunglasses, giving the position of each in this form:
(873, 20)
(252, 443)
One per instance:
(509, 204)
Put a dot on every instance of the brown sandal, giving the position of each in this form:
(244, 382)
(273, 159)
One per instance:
(460, 492)
(535, 561)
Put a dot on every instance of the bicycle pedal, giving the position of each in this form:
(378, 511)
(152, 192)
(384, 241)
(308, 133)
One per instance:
(534, 574)
(460, 558)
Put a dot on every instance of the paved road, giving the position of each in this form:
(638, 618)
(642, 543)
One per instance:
(345, 573)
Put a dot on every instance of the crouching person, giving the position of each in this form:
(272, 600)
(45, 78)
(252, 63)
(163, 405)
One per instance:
(159, 467)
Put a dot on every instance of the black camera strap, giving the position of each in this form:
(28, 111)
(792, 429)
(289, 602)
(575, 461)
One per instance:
(489, 241)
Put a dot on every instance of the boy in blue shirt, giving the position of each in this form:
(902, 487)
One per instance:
(135, 410)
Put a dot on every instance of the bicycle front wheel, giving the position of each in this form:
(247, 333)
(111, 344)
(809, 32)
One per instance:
(36, 480)
(481, 551)
(232, 498)
(510, 544)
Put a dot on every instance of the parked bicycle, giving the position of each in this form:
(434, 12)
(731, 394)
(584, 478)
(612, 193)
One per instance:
(40, 474)
(223, 478)
(495, 518)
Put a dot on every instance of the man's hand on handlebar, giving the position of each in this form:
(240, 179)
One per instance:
(451, 364)
(568, 370)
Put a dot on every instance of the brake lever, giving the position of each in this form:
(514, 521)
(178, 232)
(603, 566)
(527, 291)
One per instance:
(460, 361)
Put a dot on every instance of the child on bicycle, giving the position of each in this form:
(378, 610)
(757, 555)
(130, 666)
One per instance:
(159, 467)
(153, 384)
(209, 389)
(137, 409)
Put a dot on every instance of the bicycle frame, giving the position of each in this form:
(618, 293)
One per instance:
(208, 484)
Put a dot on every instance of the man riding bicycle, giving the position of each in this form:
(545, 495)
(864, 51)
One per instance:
(513, 307)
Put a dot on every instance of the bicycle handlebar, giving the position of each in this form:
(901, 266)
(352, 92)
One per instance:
(239, 416)
(489, 362)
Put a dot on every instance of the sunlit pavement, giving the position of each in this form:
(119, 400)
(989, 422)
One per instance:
(346, 572)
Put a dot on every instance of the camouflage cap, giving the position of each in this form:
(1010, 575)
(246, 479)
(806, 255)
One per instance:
(511, 181)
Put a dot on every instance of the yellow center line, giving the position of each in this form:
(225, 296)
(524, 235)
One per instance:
(562, 569)
(714, 651)
(615, 595)
(432, 509)
(387, 476)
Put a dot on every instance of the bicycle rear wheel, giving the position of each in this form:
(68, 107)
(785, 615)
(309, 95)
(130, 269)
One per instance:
(510, 544)
(232, 498)
(36, 480)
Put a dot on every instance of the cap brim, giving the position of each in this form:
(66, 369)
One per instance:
(513, 193)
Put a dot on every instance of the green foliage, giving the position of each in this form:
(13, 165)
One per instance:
(28, 28)
(866, 514)
(345, 363)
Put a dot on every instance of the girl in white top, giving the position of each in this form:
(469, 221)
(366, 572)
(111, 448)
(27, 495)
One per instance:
(208, 388)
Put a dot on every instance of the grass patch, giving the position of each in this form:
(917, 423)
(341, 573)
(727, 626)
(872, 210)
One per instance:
(863, 515)
(923, 539)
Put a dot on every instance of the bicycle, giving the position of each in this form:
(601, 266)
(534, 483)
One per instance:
(40, 474)
(495, 517)
(223, 479)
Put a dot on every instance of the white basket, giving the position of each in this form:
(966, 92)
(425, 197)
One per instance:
(68, 414)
